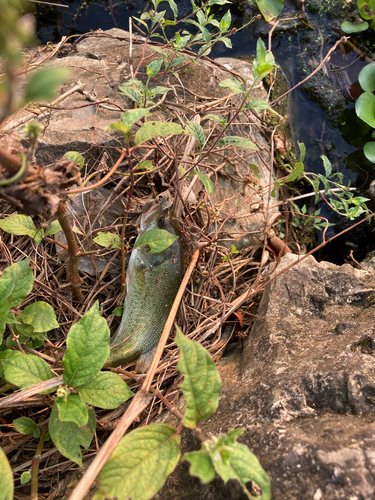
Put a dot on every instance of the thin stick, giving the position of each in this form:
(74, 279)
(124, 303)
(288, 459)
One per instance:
(31, 391)
(138, 404)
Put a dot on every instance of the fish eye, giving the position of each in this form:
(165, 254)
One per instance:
(161, 222)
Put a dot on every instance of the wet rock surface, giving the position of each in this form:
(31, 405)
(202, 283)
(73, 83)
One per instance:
(303, 388)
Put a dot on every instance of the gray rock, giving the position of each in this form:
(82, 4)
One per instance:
(303, 388)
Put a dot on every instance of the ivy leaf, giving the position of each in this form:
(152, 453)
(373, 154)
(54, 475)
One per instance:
(72, 409)
(201, 385)
(26, 370)
(154, 129)
(68, 437)
(108, 240)
(6, 478)
(233, 85)
(23, 278)
(76, 157)
(140, 464)
(239, 142)
(197, 132)
(19, 225)
(42, 84)
(41, 316)
(88, 348)
(53, 228)
(106, 390)
(207, 182)
(25, 425)
(157, 239)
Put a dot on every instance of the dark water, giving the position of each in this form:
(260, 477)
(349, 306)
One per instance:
(309, 123)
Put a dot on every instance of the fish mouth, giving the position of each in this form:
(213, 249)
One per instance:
(160, 207)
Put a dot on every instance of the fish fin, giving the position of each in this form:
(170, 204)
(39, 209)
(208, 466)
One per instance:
(144, 361)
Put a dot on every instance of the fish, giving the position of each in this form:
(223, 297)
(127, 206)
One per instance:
(153, 280)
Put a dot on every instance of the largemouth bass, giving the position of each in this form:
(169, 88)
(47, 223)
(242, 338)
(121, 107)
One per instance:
(152, 282)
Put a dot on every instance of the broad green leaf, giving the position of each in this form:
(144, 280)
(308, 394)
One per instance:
(5, 355)
(18, 225)
(26, 370)
(154, 67)
(173, 6)
(270, 8)
(68, 437)
(201, 465)
(23, 281)
(366, 9)
(6, 478)
(225, 22)
(201, 18)
(6, 289)
(296, 173)
(76, 157)
(154, 129)
(366, 78)
(178, 60)
(365, 108)
(264, 62)
(159, 90)
(25, 425)
(238, 142)
(227, 42)
(233, 85)
(39, 236)
(146, 164)
(43, 84)
(255, 169)
(369, 151)
(131, 92)
(88, 348)
(260, 105)
(118, 126)
(108, 240)
(41, 316)
(133, 115)
(327, 165)
(201, 385)
(348, 27)
(141, 463)
(53, 228)
(106, 390)
(25, 477)
(21, 328)
(157, 239)
(197, 132)
(207, 182)
(72, 409)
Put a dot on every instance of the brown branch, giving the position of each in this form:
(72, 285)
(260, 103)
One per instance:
(31, 391)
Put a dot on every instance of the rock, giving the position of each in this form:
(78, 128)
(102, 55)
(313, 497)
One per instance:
(303, 388)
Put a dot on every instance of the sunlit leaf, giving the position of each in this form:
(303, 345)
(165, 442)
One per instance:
(157, 239)
(53, 228)
(154, 67)
(369, 151)
(327, 165)
(25, 425)
(233, 85)
(26, 370)
(106, 390)
(260, 105)
(40, 315)
(196, 130)
(153, 129)
(23, 277)
(6, 478)
(72, 409)
(18, 225)
(43, 84)
(365, 108)
(76, 157)
(207, 182)
(348, 27)
(366, 78)
(270, 8)
(108, 240)
(133, 116)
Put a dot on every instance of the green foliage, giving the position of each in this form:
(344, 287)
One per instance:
(239, 142)
(108, 240)
(369, 151)
(23, 225)
(201, 385)
(207, 182)
(26, 370)
(25, 425)
(152, 129)
(366, 10)
(25, 477)
(43, 83)
(157, 239)
(270, 8)
(72, 409)
(6, 475)
(264, 62)
(365, 108)
(76, 157)
(106, 390)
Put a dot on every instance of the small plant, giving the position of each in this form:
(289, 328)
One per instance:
(365, 106)
(366, 10)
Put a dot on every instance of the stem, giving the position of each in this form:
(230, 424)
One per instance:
(73, 250)
(35, 464)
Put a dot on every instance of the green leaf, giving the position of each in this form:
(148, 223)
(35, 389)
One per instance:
(18, 225)
(264, 62)
(260, 105)
(226, 41)
(159, 90)
(53, 228)
(108, 240)
(207, 182)
(238, 142)
(68, 437)
(118, 311)
(233, 85)
(146, 164)
(348, 27)
(157, 239)
(133, 116)
(88, 348)
(173, 6)
(302, 151)
(178, 60)
(72, 409)
(43, 84)
(6, 478)
(154, 67)
(39, 236)
(23, 281)
(255, 169)
(25, 477)
(197, 132)
(26, 370)
(76, 157)
(154, 129)
(270, 8)
(327, 165)
(25, 425)
(118, 126)
(6, 289)
(365, 108)
(366, 78)
(369, 151)
(201, 385)
(40, 315)
(130, 91)
(141, 463)
(296, 173)
(106, 390)
(225, 22)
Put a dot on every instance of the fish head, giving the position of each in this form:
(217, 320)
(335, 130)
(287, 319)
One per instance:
(159, 215)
